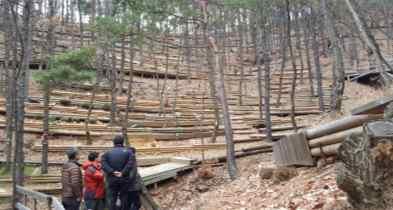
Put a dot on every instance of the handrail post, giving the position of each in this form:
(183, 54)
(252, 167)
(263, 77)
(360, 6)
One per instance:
(49, 203)
(35, 204)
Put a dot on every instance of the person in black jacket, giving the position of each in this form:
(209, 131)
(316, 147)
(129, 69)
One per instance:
(118, 164)
(135, 187)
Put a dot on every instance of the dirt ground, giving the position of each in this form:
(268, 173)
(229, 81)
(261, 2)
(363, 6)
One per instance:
(313, 188)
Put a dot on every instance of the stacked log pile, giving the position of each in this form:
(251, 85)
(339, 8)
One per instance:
(326, 139)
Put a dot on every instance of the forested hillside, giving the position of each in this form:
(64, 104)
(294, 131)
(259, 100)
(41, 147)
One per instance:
(229, 104)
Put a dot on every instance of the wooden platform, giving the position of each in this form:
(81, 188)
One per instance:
(161, 172)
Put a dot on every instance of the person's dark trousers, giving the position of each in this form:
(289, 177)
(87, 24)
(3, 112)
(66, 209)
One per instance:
(133, 198)
(71, 204)
(118, 189)
(95, 204)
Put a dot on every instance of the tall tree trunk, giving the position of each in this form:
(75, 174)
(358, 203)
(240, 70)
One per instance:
(62, 12)
(93, 17)
(267, 59)
(241, 38)
(317, 63)
(221, 96)
(338, 68)
(259, 83)
(122, 66)
(113, 81)
(370, 40)
(10, 77)
(129, 94)
(307, 37)
(45, 136)
(89, 141)
(354, 54)
(100, 60)
(164, 86)
(80, 23)
(299, 45)
(72, 11)
(294, 79)
(50, 51)
(24, 36)
(186, 37)
(284, 47)
(268, 120)
(212, 89)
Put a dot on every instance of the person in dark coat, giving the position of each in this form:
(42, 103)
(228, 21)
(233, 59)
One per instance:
(135, 187)
(118, 164)
(71, 180)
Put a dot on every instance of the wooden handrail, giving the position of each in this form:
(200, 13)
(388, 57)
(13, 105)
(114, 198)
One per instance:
(20, 206)
(32, 194)
(53, 202)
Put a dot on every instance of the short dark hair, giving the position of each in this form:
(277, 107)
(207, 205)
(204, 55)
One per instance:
(118, 140)
(72, 153)
(92, 156)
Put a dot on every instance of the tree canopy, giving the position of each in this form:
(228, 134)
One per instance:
(72, 66)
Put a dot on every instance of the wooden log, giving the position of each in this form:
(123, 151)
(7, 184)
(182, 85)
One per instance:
(325, 150)
(339, 125)
(334, 138)
(142, 106)
(243, 154)
(171, 149)
(266, 146)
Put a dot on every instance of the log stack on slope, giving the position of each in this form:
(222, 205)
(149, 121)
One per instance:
(325, 140)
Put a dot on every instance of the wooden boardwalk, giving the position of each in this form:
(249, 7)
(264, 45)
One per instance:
(150, 175)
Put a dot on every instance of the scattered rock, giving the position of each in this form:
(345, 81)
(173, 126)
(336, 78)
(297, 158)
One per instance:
(266, 173)
(283, 174)
(322, 162)
(205, 173)
(65, 102)
(318, 206)
(331, 159)
(202, 188)
(279, 174)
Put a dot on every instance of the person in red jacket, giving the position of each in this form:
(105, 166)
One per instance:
(94, 187)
